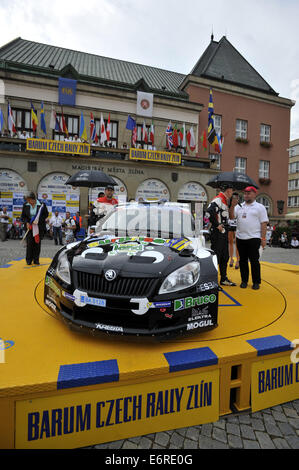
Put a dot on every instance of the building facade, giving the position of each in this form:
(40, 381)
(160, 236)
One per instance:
(293, 183)
(252, 119)
(249, 114)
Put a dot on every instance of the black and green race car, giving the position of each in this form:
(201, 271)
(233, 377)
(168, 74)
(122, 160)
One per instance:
(144, 272)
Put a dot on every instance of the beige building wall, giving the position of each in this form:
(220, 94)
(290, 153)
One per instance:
(294, 158)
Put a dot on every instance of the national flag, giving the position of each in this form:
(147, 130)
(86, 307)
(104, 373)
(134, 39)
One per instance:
(64, 128)
(108, 129)
(175, 138)
(34, 119)
(169, 139)
(1, 120)
(144, 133)
(34, 225)
(10, 120)
(93, 131)
(152, 134)
(204, 140)
(54, 121)
(182, 135)
(191, 139)
(82, 131)
(211, 129)
(134, 136)
(103, 131)
(42, 118)
(131, 123)
(218, 146)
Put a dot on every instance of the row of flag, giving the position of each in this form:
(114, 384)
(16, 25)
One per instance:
(58, 124)
(173, 133)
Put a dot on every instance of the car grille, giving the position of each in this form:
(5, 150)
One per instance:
(122, 286)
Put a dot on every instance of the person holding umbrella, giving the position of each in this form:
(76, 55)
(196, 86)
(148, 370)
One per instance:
(217, 212)
(108, 197)
(252, 220)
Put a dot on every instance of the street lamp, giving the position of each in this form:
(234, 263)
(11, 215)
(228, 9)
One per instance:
(280, 205)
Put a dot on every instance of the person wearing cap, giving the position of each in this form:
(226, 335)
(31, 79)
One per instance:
(34, 216)
(108, 197)
(217, 212)
(251, 218)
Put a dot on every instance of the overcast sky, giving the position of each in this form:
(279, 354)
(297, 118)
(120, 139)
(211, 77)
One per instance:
(168, 34)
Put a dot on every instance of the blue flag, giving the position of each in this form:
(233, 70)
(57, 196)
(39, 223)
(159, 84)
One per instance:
(131, 123)
(42, 118)
(83, 133)
(1, 120)
(67, 91)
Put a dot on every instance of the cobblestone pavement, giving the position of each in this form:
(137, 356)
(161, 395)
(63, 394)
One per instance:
(272, 428)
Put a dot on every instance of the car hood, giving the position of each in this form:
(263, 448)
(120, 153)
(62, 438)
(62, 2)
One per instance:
(134, 257)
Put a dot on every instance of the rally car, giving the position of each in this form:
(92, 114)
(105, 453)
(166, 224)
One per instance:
(145, 272)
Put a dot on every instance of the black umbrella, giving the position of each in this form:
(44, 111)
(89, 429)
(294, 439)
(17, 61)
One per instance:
(90, 179)
(237, 180)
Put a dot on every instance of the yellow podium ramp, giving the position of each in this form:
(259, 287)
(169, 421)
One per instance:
(61, 389)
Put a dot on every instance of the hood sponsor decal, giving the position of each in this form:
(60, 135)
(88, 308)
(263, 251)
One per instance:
(128, 248)
(177, 244)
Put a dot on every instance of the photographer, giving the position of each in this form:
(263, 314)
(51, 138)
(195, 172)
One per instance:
(69, 226)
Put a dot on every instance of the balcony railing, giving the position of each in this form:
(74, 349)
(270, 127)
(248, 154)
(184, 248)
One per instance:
(16, 145)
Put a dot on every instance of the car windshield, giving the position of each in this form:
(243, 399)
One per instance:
(169, 220)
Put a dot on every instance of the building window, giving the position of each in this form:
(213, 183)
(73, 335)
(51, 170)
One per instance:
(113, 133)
(216, 160)
(265, 201)
(72, 124)
(218, 123)
(294, 151)
(293, 184)
(264, 169)
(240, 165)
(22, 119)
(294, 167)
(293, 201)
(265, 133)
(241, 129)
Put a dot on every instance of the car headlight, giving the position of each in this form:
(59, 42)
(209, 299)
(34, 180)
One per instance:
(182, 278)
(63, 269)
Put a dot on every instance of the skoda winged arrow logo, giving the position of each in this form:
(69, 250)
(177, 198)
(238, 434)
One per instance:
(110, 275)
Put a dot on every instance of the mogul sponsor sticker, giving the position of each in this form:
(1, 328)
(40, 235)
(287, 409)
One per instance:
(199, 324)
(274, 381)
(92, 416)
